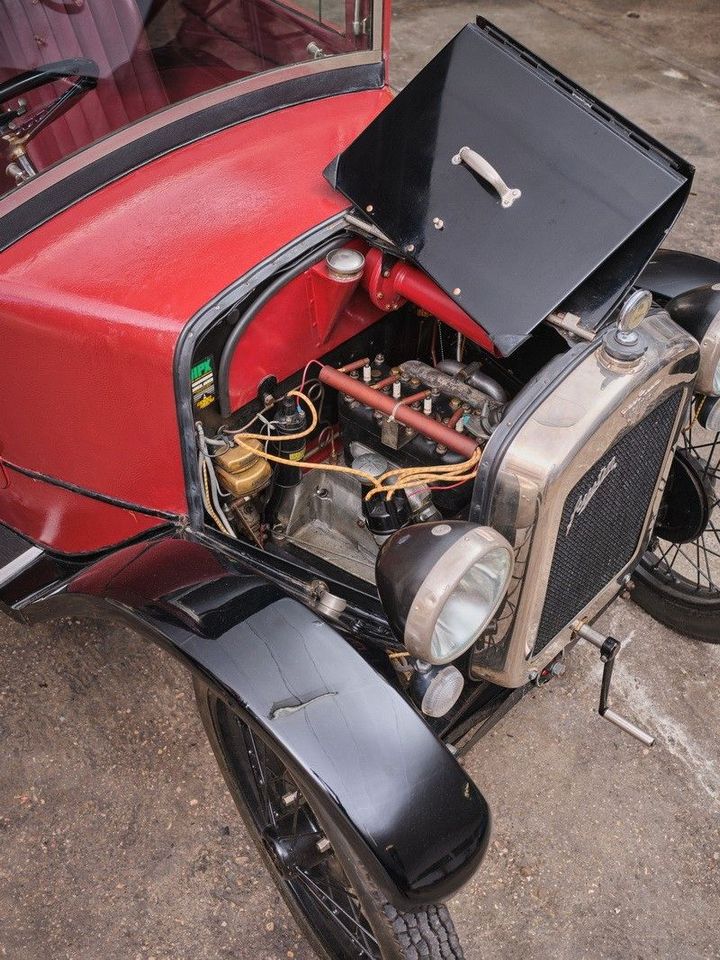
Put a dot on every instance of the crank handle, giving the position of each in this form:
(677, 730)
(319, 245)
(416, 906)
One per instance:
(609, 648)
(645, 738)
(480, 166)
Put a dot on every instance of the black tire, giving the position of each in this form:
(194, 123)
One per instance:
(679, 583)
(364, 923)
(690, 616)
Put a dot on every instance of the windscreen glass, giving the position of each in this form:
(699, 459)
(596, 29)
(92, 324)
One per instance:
(146, 55)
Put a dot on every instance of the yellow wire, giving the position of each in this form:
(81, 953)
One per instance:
(368, 477)
(427, 480)
(440, 468)
(428, 476)
(416, 476)
(290, 436)
(406, 476)
(430, 481)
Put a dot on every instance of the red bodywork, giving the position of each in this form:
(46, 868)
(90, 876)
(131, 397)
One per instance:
(93, 302)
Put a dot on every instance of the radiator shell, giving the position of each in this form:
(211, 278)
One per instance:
(555, 447)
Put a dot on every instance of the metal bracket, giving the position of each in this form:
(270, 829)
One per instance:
(609, 648)
(569, 323)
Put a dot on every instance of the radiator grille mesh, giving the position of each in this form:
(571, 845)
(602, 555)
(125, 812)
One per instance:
(603, 519)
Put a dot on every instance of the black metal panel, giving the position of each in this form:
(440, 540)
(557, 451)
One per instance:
(603, 519)
(589, 182)
(672, 272)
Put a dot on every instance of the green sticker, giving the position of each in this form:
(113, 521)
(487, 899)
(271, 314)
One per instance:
(202, 383)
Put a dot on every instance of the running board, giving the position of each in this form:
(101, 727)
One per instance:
(16, 555)
(609, 648)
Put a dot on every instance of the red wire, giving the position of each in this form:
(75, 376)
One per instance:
(304, 376)
(451, 487)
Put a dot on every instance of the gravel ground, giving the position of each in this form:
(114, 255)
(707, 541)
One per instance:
(117, 837)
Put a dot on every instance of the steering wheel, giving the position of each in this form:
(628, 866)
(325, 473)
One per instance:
(18, 126)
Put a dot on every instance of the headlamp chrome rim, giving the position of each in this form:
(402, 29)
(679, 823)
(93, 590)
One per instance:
(439, 585)
(708, 378)
(698, 312)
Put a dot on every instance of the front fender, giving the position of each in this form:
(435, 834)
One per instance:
(672, 272)
(417, 822)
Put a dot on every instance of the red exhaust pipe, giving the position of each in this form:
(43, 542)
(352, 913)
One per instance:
(414, 419)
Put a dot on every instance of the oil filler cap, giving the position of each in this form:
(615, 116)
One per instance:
(345, 264)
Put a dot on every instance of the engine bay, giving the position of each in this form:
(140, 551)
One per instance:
(383, 431)
(354, 423)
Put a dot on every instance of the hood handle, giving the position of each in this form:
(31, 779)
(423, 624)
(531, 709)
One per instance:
(480, 166)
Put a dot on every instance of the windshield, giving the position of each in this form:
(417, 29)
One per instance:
(139, 56)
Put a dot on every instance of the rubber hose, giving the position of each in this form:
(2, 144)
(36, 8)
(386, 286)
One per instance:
(256, 306)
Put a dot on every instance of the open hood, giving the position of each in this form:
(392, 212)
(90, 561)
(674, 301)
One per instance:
(516, 191)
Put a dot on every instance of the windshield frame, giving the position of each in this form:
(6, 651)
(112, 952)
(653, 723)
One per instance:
(284, 86)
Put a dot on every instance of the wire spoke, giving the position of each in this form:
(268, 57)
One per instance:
(707, 562)
(692, 565)
(696, 567)
(664, 554)
(333, 908)
(258, 768)
(322, 891)
(697, 550)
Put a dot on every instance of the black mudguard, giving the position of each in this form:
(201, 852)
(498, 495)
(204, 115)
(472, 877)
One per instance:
(672, 272)
(416, 821)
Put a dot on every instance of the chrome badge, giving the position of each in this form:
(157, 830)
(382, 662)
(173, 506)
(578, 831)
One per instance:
(585, 499)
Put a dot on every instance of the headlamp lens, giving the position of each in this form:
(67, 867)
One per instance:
(471, 605)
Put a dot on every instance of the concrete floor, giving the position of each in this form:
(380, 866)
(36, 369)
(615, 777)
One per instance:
(117, 836)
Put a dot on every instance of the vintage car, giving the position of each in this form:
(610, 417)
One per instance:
(363, 407)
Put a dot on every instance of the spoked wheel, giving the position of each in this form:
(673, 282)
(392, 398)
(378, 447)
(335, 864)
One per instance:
(678, 578)
(335, 903)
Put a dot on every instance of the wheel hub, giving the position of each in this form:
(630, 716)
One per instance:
(290, 853)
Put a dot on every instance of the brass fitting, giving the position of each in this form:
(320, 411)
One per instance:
(242, 472)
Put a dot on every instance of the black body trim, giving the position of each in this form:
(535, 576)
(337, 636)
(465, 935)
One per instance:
(274, 287)
(91, 494)
(411, 814)
(179, 133)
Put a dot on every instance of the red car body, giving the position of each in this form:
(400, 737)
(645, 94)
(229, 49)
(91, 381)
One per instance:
(94, 300)
(491, 413)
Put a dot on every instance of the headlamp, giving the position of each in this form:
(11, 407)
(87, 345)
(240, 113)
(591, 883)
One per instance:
(709, 415)
(441, 584)
(698, 312)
